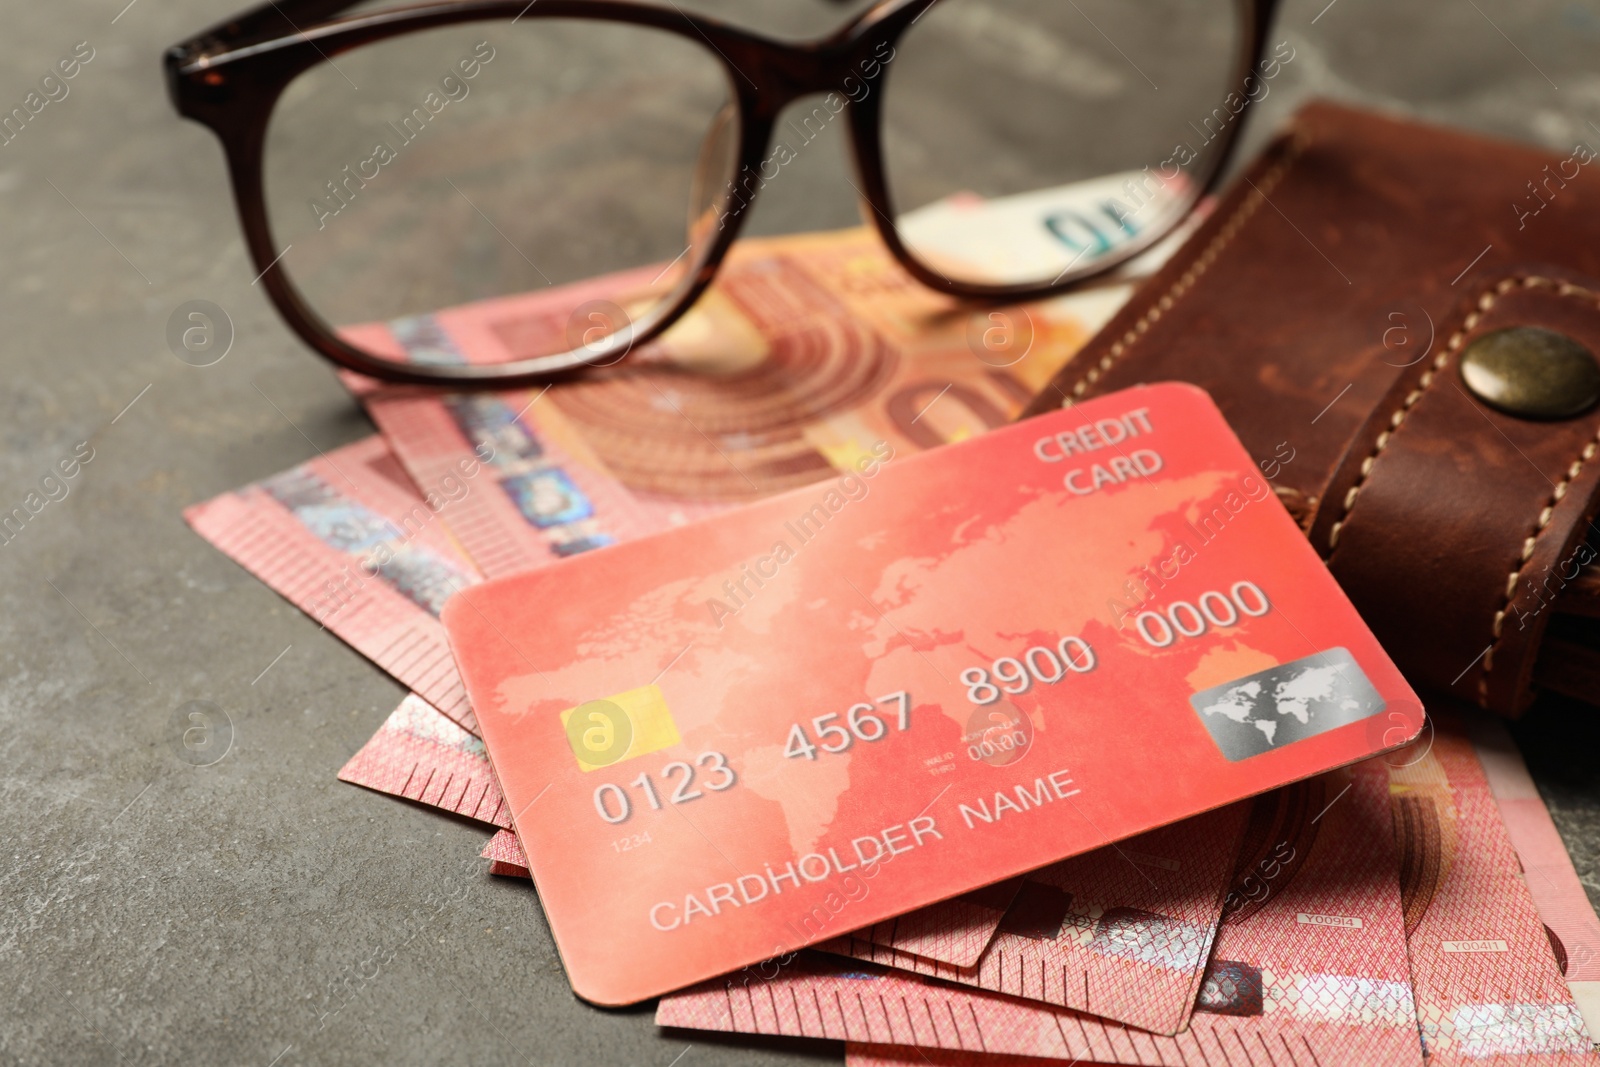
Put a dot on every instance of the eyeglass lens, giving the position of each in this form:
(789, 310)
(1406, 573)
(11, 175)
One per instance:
(551, 184)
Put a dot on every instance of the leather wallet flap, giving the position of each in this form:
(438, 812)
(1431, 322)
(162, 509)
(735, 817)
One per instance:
(1452, 525)
(1349, 244)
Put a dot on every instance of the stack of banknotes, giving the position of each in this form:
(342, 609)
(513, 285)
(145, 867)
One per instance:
(1420, 905)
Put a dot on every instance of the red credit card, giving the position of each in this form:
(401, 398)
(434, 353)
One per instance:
(840, 704)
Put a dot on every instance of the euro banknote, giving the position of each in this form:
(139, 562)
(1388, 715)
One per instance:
(954, 933)
(421, 754)
(1487, 985)
(1309, 967)
(808, 352)
(347, 538)
(505, 855)
(1569, 918)
(1123, 932)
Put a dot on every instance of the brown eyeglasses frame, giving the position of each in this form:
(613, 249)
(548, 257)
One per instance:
(230, 77)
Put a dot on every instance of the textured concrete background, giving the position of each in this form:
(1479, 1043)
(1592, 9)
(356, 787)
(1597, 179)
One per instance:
(258, 911)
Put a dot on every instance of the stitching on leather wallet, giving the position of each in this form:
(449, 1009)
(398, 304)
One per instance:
(1560, 491)
(1236, 221)
(1485, 301)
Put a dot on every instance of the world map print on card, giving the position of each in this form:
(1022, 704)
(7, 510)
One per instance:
(1287, 703)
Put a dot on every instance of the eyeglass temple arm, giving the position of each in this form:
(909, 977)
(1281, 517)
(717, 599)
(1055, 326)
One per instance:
(270, 20)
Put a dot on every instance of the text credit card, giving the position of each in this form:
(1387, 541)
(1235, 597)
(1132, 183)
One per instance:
(834, 706)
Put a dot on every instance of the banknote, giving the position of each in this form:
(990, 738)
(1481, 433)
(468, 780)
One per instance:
(1569, 918)
(808, 351)
(421, 754)
(1309, 966)
(547, 496)
(1486, 982)
(348, 539)
(505, 855)
(1039, 234)
(1123, 932)
(953, 932)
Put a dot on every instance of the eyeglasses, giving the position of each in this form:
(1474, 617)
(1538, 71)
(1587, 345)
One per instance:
(585, 165)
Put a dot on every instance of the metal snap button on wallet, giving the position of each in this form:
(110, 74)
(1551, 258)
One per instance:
(1531, 372)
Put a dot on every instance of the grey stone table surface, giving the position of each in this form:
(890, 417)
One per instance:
(257, 911)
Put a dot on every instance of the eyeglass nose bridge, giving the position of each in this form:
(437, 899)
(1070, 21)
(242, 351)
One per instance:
(779, 73)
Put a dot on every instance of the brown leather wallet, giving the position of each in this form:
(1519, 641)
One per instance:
(1326, 304)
